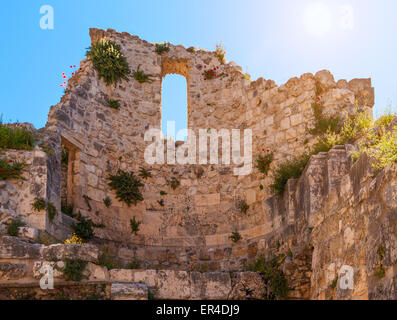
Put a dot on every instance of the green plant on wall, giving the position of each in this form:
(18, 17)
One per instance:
(140, 76)
(109, 61)
(87, 200)
(127, 187)
(323, 123)
(107, 202)
(16, 137)
(243, 206)
(84, 228)
(64, 156)
(235, 237)
(135, 225)
(74, 269)
(264, 161)
(291, 168)
(114, 104)
(67, 209)
(273, 276)
(51, 211)
(160, 48)
(173, 183)
(144, 173)
(40, 204)
(13, 227)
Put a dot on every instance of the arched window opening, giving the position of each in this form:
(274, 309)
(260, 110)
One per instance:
(174, 105)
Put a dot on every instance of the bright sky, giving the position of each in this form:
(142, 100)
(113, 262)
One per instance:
(275, 39)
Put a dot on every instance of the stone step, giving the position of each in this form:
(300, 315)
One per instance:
(129, 291)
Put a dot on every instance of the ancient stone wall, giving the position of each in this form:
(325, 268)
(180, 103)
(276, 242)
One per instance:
(356, 227)
(17, 196)
(202, 213)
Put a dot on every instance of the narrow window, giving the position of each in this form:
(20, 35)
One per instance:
(174, 103)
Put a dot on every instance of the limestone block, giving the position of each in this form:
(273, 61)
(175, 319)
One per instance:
(56, 267)
(11, 247)
(173, 285)
(85, 252)
(207, 200)
(28, 233)
(129, 291)
(96, 272)
(246, 286)
(12, 271)
(122, 275)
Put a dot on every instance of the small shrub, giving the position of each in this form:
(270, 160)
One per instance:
(273, 276)
(84, 229)
(323, 123)
(105, 260)
(87, 200)
(133, 265)
(109, 61)
(17, 138)
(127, 187)
(65, 156)
(39, 204)
(243, 206)
(163, 193)
(210, 74)
(289, 253)
(114, 104)
(12, 229)
(381, 252)
(144, 173)
(263, 162)
(292, 168)
(75, 239)
(382, 150)
(160, 48)
(334, 283)
(135, 226)
(235, 237)
(385, 120)
(141, 76)
(73, 270)
(380, 272)
(11, 169)
(51, 211)
(67, 209)
(173, 183)
(220, 52)
(161, 202)
(107, 202)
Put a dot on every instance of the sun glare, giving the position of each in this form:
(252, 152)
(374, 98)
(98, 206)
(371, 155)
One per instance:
(317, 19)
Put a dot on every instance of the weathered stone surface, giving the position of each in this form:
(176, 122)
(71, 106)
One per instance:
(129, 291)
(85, 252)
(12, 271)
(28, 233)
(11, 247)
(248, 286)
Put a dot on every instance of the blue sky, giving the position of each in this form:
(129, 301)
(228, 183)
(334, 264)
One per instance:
(275, 39)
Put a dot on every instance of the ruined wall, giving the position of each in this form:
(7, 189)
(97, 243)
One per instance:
(17, 196)
(356, 227)
(198, 217)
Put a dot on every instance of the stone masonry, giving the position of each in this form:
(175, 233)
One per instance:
(336, 214)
